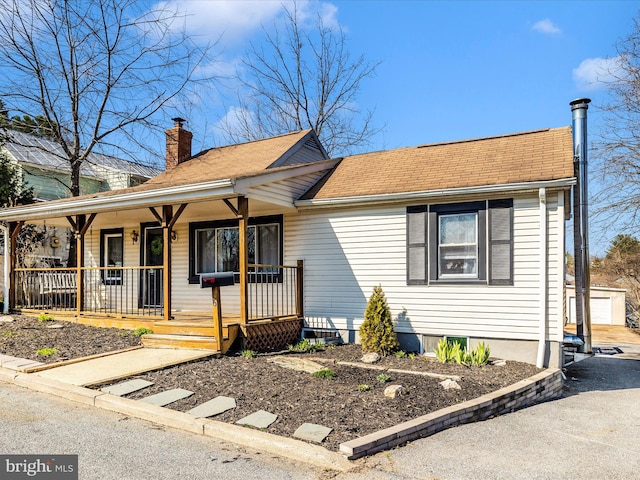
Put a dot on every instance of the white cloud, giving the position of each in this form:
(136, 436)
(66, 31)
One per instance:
(546, 26)
(596, 73)
(238, 20)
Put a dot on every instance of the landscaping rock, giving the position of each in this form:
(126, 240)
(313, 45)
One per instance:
(6, 318)
(370, 358)
(299, 364)
(449, 384)
(55, 326)
(499, 363)
(393, 391)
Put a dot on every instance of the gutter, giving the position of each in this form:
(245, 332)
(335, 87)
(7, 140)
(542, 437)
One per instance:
(427, 194)
(542, 327)
(123, 201)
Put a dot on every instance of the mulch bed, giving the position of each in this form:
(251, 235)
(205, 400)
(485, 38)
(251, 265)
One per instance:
(296, 397)
(25, 335)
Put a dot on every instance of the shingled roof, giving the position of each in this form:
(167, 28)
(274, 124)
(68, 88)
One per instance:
(242, 159)
(532, 156)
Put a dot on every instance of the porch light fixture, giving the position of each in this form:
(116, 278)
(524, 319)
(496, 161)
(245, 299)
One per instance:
(134, 236)
(174, 236)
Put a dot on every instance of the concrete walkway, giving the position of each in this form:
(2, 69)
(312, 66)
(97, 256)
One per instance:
(120, 365)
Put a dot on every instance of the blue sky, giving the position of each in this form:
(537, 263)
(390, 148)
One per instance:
(449, 70)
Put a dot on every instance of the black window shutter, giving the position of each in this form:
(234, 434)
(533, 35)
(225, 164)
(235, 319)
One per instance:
(501, 242)
(417, 245)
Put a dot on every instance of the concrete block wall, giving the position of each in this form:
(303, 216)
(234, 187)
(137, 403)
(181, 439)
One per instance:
(542, 387)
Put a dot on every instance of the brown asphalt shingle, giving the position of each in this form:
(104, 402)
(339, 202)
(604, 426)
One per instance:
(233, 161)
(520, 157)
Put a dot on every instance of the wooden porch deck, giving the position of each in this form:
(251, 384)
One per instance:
(196, 330)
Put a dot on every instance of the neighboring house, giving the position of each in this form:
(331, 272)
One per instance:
(42, 164)
(466, 238)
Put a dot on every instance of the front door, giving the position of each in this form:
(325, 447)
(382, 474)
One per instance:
(152, 255)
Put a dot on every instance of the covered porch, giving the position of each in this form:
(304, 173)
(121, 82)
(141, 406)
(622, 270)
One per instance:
(131, 271)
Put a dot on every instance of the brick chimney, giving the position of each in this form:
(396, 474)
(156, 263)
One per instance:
(178, 144)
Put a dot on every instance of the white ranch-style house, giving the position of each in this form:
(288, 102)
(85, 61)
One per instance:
(466, 238)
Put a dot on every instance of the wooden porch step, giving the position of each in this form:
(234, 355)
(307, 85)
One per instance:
(179, 341)
(172, 327)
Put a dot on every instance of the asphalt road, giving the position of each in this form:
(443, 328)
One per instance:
(592, 432)
(111, 446)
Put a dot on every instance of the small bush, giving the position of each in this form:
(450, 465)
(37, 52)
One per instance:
(306, 346)
(324, 374)
(454, 352)
(376, 332)
(45, 317)
(443, 351)
(248, 353)
(138, 332)
(47, 352)
(364, 387)
(383, 378)
(400, 354)
(480, 355)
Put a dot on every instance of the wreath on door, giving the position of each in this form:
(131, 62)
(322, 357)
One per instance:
(156, 246)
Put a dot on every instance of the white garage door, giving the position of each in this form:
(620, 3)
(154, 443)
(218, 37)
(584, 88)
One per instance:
(600, 310)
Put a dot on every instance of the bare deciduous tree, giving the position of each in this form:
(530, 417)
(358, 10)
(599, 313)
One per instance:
(303, 78)
(95, 70)
(617, 150)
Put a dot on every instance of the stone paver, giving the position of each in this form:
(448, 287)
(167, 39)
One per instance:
(130, 386)
(259, 419)
(165, 398)
(299, 364)
(213, 407)
(312, 432)
(6, 318)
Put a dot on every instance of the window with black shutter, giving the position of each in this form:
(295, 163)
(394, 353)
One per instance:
(417, 248)
(468, 242)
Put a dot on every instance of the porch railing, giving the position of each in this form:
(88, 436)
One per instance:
(273, 291)
(108, 290)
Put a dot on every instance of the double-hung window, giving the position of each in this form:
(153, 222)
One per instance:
(112, 255)
(460, 243)
(215, 246)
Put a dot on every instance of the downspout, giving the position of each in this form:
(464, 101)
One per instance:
(6, 238)
(581, 222)
(542, 327)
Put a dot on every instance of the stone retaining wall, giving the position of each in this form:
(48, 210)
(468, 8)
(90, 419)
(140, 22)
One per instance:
(544, 386)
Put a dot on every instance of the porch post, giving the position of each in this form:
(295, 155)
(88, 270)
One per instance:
(300, 289)
(14, 230)
(243, 220)
(79, 225)
(167, 214)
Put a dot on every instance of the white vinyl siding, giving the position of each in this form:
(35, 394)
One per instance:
(348, 252)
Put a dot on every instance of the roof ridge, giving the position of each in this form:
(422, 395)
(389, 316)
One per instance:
(494, 137)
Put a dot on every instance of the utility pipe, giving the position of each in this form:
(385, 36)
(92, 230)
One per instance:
(542, 327)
